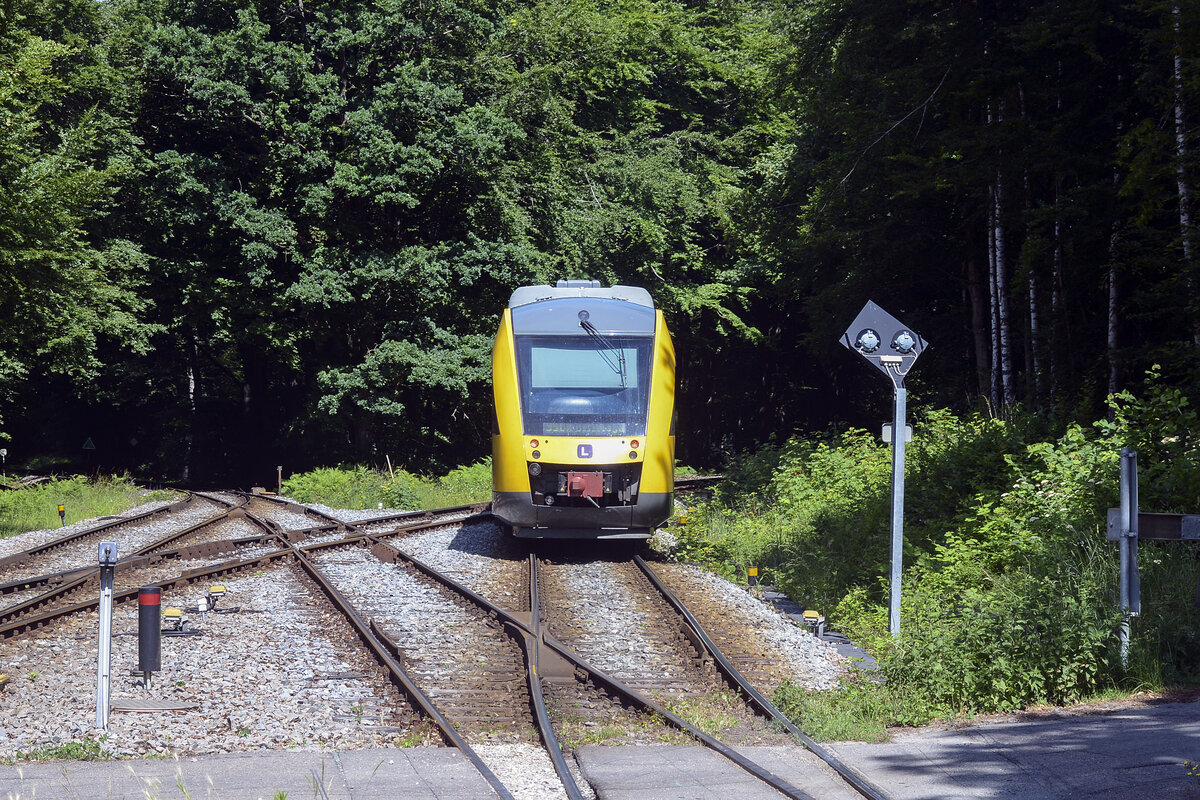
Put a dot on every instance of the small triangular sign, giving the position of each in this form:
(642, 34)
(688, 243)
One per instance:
(89, 444)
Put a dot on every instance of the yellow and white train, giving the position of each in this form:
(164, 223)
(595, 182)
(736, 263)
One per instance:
(583, 437)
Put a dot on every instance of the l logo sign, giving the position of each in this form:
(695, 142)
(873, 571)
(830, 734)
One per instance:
(584, 451)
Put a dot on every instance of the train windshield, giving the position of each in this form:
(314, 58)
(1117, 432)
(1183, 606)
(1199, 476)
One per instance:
(584, 386)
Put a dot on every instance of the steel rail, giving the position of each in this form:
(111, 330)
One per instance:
(415, 521)
(233, 513)
(600, 678)
(474, 509)
(637, 698)
(291, 506)
(530, 639)
(697, 483)
(398, 673)
(754, 697)
(51, 579)
(139, 558)
(533, 641)
(70, 538)
(27, 623)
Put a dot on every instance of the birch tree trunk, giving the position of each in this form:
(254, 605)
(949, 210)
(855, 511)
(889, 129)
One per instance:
(1181, 156)
(1000, 283)
(993, 307)
(189, 440)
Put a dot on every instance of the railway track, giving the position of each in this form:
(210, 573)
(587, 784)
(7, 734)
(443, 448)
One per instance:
(504, 652)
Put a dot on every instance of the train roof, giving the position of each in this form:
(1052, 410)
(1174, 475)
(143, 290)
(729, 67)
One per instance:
(525, 295)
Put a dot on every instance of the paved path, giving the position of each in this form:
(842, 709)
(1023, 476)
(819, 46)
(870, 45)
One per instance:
(1134, 753)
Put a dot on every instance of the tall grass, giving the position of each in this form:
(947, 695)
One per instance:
(36, 508)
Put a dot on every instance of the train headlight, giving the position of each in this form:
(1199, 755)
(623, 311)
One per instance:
(633, 453)
(535, 469)
(549, 499)
(536, 454)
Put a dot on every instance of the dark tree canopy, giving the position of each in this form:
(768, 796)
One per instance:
(238, 234)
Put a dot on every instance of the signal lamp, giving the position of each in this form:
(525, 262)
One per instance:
(533, 442)
(634, 444)
(904, 341)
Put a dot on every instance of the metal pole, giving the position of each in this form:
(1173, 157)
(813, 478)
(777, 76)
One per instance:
(108, 562)
(898, 437)
(1131, 599)
(1135, 580)
(1123, 544)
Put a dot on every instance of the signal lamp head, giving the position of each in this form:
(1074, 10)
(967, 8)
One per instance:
(533, 443)
(867, 340)
(634, 444)
(584, 316)
(904, 342)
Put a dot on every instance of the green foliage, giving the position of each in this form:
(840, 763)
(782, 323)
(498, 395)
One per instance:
(363, 488)
(65, 293)
(1009, 593)
(36, 508)
(338, 487)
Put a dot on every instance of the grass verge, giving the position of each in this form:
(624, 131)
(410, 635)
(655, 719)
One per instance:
(36, 508)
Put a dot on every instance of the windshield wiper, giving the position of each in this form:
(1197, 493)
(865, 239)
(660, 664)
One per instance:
(617, 366)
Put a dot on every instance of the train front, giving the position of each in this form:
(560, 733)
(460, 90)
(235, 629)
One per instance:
(583, 444)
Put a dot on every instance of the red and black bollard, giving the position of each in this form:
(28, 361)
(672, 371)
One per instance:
(149, 631)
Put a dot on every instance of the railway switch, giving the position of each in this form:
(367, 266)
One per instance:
(814, 620)
(215, 593)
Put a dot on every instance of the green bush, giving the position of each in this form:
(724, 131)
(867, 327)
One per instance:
(339, 487)
(1010, 586)
(363, 488)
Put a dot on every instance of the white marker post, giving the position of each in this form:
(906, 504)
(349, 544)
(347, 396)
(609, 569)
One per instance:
(108, 565)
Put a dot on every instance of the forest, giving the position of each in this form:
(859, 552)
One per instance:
(236, 234)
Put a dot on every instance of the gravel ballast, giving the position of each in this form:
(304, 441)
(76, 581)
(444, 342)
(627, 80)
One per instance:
(285, 673)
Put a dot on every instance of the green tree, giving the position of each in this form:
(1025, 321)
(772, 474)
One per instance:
(67, 291)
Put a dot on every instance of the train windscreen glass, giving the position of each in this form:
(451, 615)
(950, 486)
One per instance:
(584, 386)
